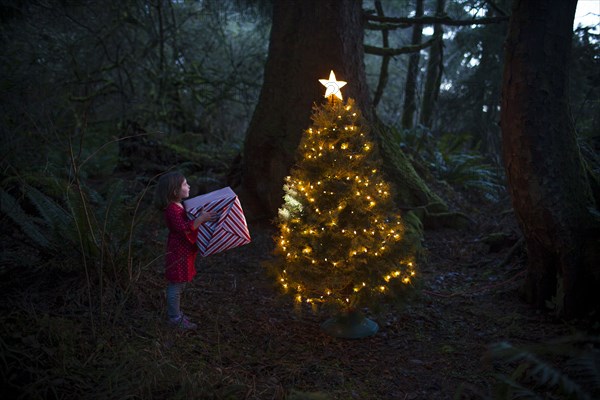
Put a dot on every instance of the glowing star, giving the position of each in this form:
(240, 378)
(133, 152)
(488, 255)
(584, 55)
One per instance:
(333, 86)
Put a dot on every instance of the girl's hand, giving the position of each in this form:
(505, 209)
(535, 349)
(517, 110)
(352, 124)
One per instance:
(205, 216)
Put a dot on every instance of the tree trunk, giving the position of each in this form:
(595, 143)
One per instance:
(485, 88)
(409, 108)
(433, 77)
(385, 59)
(308, 39)
(548, 185)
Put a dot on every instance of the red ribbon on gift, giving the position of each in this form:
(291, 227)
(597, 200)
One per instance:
(229, 231)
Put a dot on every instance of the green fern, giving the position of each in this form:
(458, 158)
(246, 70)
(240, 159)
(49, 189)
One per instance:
(51, 226)
(30, 225)
(76, 225)
(418, 140)
(452, 158)
(466, 169)
(56, 217)
(569, 368)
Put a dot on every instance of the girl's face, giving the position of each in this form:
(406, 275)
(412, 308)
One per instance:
(184, 190)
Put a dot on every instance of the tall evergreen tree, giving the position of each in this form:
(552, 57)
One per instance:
(550, 191)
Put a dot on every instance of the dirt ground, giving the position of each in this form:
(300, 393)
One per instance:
(433, 348)
(252, 344)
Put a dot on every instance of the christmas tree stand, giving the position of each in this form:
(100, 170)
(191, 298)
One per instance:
(350, 325)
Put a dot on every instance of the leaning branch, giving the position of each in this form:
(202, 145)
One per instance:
(379, 51)
(388, 23)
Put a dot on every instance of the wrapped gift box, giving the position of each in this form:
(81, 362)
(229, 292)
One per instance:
(229, 231)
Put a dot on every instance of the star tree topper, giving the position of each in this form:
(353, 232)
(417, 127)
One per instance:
(333, 86)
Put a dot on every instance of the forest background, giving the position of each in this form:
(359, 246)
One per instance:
(99, 98)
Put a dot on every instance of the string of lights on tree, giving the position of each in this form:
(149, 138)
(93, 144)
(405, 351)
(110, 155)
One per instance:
(341, 240)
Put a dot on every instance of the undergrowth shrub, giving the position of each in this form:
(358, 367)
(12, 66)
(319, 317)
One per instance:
(64, 222)
(79, 225)
(453, 159)
(566, 368)
(51, 357)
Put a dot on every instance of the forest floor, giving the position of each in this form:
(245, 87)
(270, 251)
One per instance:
(435, 347)
(251, 344)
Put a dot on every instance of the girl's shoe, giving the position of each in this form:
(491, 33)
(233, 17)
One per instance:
(182, 322)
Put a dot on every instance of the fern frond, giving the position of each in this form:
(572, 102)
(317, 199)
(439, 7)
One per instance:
(550, 377)
(450, 143)
(586, 367)
(53, 214)
(510, 389)
(580, 379)
(30, 225)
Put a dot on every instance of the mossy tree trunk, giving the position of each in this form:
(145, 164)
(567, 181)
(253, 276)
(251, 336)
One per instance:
(308, 39)
(548, 184)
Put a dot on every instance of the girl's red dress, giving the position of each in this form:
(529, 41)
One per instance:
(181, 245)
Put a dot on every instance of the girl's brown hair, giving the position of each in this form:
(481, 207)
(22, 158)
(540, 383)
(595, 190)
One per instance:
(167, 189)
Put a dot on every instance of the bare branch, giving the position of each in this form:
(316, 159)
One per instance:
(378, 51)
(387, 23)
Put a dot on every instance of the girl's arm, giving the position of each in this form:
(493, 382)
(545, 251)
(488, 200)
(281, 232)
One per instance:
(177, 221)
(204, 217)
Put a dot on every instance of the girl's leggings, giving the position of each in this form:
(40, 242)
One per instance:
(174, 290)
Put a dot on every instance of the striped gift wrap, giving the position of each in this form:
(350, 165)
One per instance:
(229, 231)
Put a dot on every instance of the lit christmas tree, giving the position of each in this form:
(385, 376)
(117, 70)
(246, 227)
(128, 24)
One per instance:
(342, 241)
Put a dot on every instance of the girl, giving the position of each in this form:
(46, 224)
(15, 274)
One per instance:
(181, 252)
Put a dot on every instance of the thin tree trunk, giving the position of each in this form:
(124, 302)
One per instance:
(435, 66)
(548, 185)
(410, 91)
(385, 60)
(161, 50)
